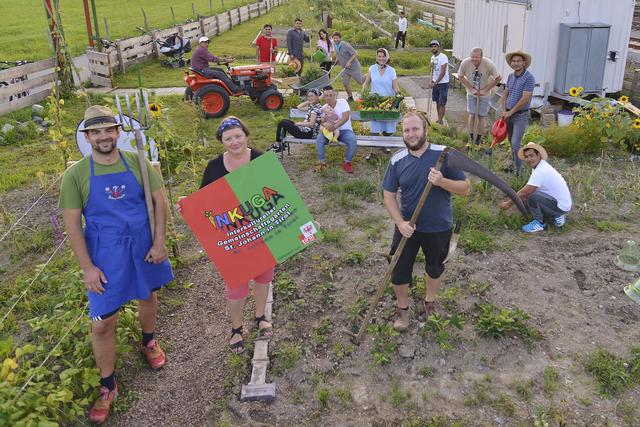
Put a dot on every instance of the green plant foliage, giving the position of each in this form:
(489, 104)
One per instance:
(610, 372)
(58, 391)
(498, 322)
(384, 342)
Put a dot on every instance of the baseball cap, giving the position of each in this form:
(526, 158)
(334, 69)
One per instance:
(436, 42)
(203, 39)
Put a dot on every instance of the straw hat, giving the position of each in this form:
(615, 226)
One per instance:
(295, 65)
(98, 117)
(539, 148)
(525, 55)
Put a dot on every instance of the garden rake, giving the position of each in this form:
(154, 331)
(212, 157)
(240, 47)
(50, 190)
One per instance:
(143, 124)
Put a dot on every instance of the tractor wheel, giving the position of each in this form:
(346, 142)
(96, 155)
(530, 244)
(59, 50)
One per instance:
(271, 100)
(214, 101)
(188, 94)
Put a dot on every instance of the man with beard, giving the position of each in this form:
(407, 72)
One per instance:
(120, 259)
(408, 170)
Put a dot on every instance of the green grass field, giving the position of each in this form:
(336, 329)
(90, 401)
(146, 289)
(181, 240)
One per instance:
(23, 30)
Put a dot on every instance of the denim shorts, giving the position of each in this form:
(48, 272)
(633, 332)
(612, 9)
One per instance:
(439, 93)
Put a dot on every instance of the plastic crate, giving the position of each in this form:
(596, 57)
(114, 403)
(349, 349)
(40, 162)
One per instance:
(379, 115)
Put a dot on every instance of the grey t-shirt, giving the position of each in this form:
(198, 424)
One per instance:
(410, 174)
(344, 52)
(295, 43)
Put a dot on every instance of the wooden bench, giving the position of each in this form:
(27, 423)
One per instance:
(361, 141)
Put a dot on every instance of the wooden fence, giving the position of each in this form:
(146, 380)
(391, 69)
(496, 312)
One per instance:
(444, 22)
(26, 84)
(139, 49)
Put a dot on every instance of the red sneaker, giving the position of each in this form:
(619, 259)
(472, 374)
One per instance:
(100, 410)
(346, 166)
(154, 354)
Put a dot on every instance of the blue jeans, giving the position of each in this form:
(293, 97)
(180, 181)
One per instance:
(516, 126)
(347, 137)
(543, 206)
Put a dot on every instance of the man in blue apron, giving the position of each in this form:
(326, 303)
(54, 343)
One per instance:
(120, 259)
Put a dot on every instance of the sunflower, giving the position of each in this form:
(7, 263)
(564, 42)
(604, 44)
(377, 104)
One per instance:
(573, 91)
(636, 123)
(624, 99)
(155, 110)
(588, 116)
(580, 90)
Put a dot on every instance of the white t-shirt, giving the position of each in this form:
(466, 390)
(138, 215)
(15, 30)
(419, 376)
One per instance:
(550, 182)
(402, 25)
(341, 106)
(437, 62)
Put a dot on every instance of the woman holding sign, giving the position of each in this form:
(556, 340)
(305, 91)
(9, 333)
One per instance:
(234, 136)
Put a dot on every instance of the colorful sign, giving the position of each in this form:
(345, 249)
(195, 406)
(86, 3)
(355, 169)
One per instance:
(250, 220)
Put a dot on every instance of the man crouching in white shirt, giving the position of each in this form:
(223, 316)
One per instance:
(546, 193)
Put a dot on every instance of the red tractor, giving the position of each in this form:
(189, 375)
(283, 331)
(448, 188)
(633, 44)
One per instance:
(213, 94)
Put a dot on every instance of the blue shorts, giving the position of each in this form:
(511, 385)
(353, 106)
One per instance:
(439, 93)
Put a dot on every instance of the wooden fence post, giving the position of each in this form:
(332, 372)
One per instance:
(217, 26)
(156, 49)
(181, 31)
(446, 23)
(120, 57)
(634, 83)
(230, 21)
(202, 29)
(239, 16)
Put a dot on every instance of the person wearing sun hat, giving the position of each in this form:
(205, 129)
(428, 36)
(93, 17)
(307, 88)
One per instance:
(546, 193)
(516, 101)
(120, 259)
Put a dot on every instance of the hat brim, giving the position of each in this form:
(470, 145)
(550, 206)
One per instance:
(539, 148)
(100, 126)
(295, 64)
(525, 55)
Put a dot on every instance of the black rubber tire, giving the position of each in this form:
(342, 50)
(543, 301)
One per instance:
(188, 94)
(201, 95)
(266, 99)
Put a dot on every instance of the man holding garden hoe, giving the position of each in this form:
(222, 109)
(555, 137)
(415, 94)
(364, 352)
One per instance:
(120, 259)
(409, 170)
(478, 75)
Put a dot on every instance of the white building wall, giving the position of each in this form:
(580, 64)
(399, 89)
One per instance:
(536, 30)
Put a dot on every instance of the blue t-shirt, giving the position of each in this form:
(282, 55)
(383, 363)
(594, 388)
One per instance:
(410, 174)
(525, 82)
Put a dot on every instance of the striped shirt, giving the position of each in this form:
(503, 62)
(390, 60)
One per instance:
(516, 85)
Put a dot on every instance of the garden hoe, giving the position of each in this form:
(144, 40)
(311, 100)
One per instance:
(455, 160)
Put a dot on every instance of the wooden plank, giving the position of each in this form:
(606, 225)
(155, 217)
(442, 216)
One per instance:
(100, 81)
(127, 44)
(26, 69)
(99, 69)
(15, 88)
(137, 51)
(138, 60)
(26, 101)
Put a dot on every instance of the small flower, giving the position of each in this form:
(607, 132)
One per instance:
(624, 99)
(636, 123)
(588, 116)
(573, 91)
(580, 89)
(155, 110)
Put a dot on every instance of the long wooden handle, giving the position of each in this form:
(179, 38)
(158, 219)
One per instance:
(396, 255)
(145, 181)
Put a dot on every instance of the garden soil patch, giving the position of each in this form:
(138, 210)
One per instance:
(565, 280)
